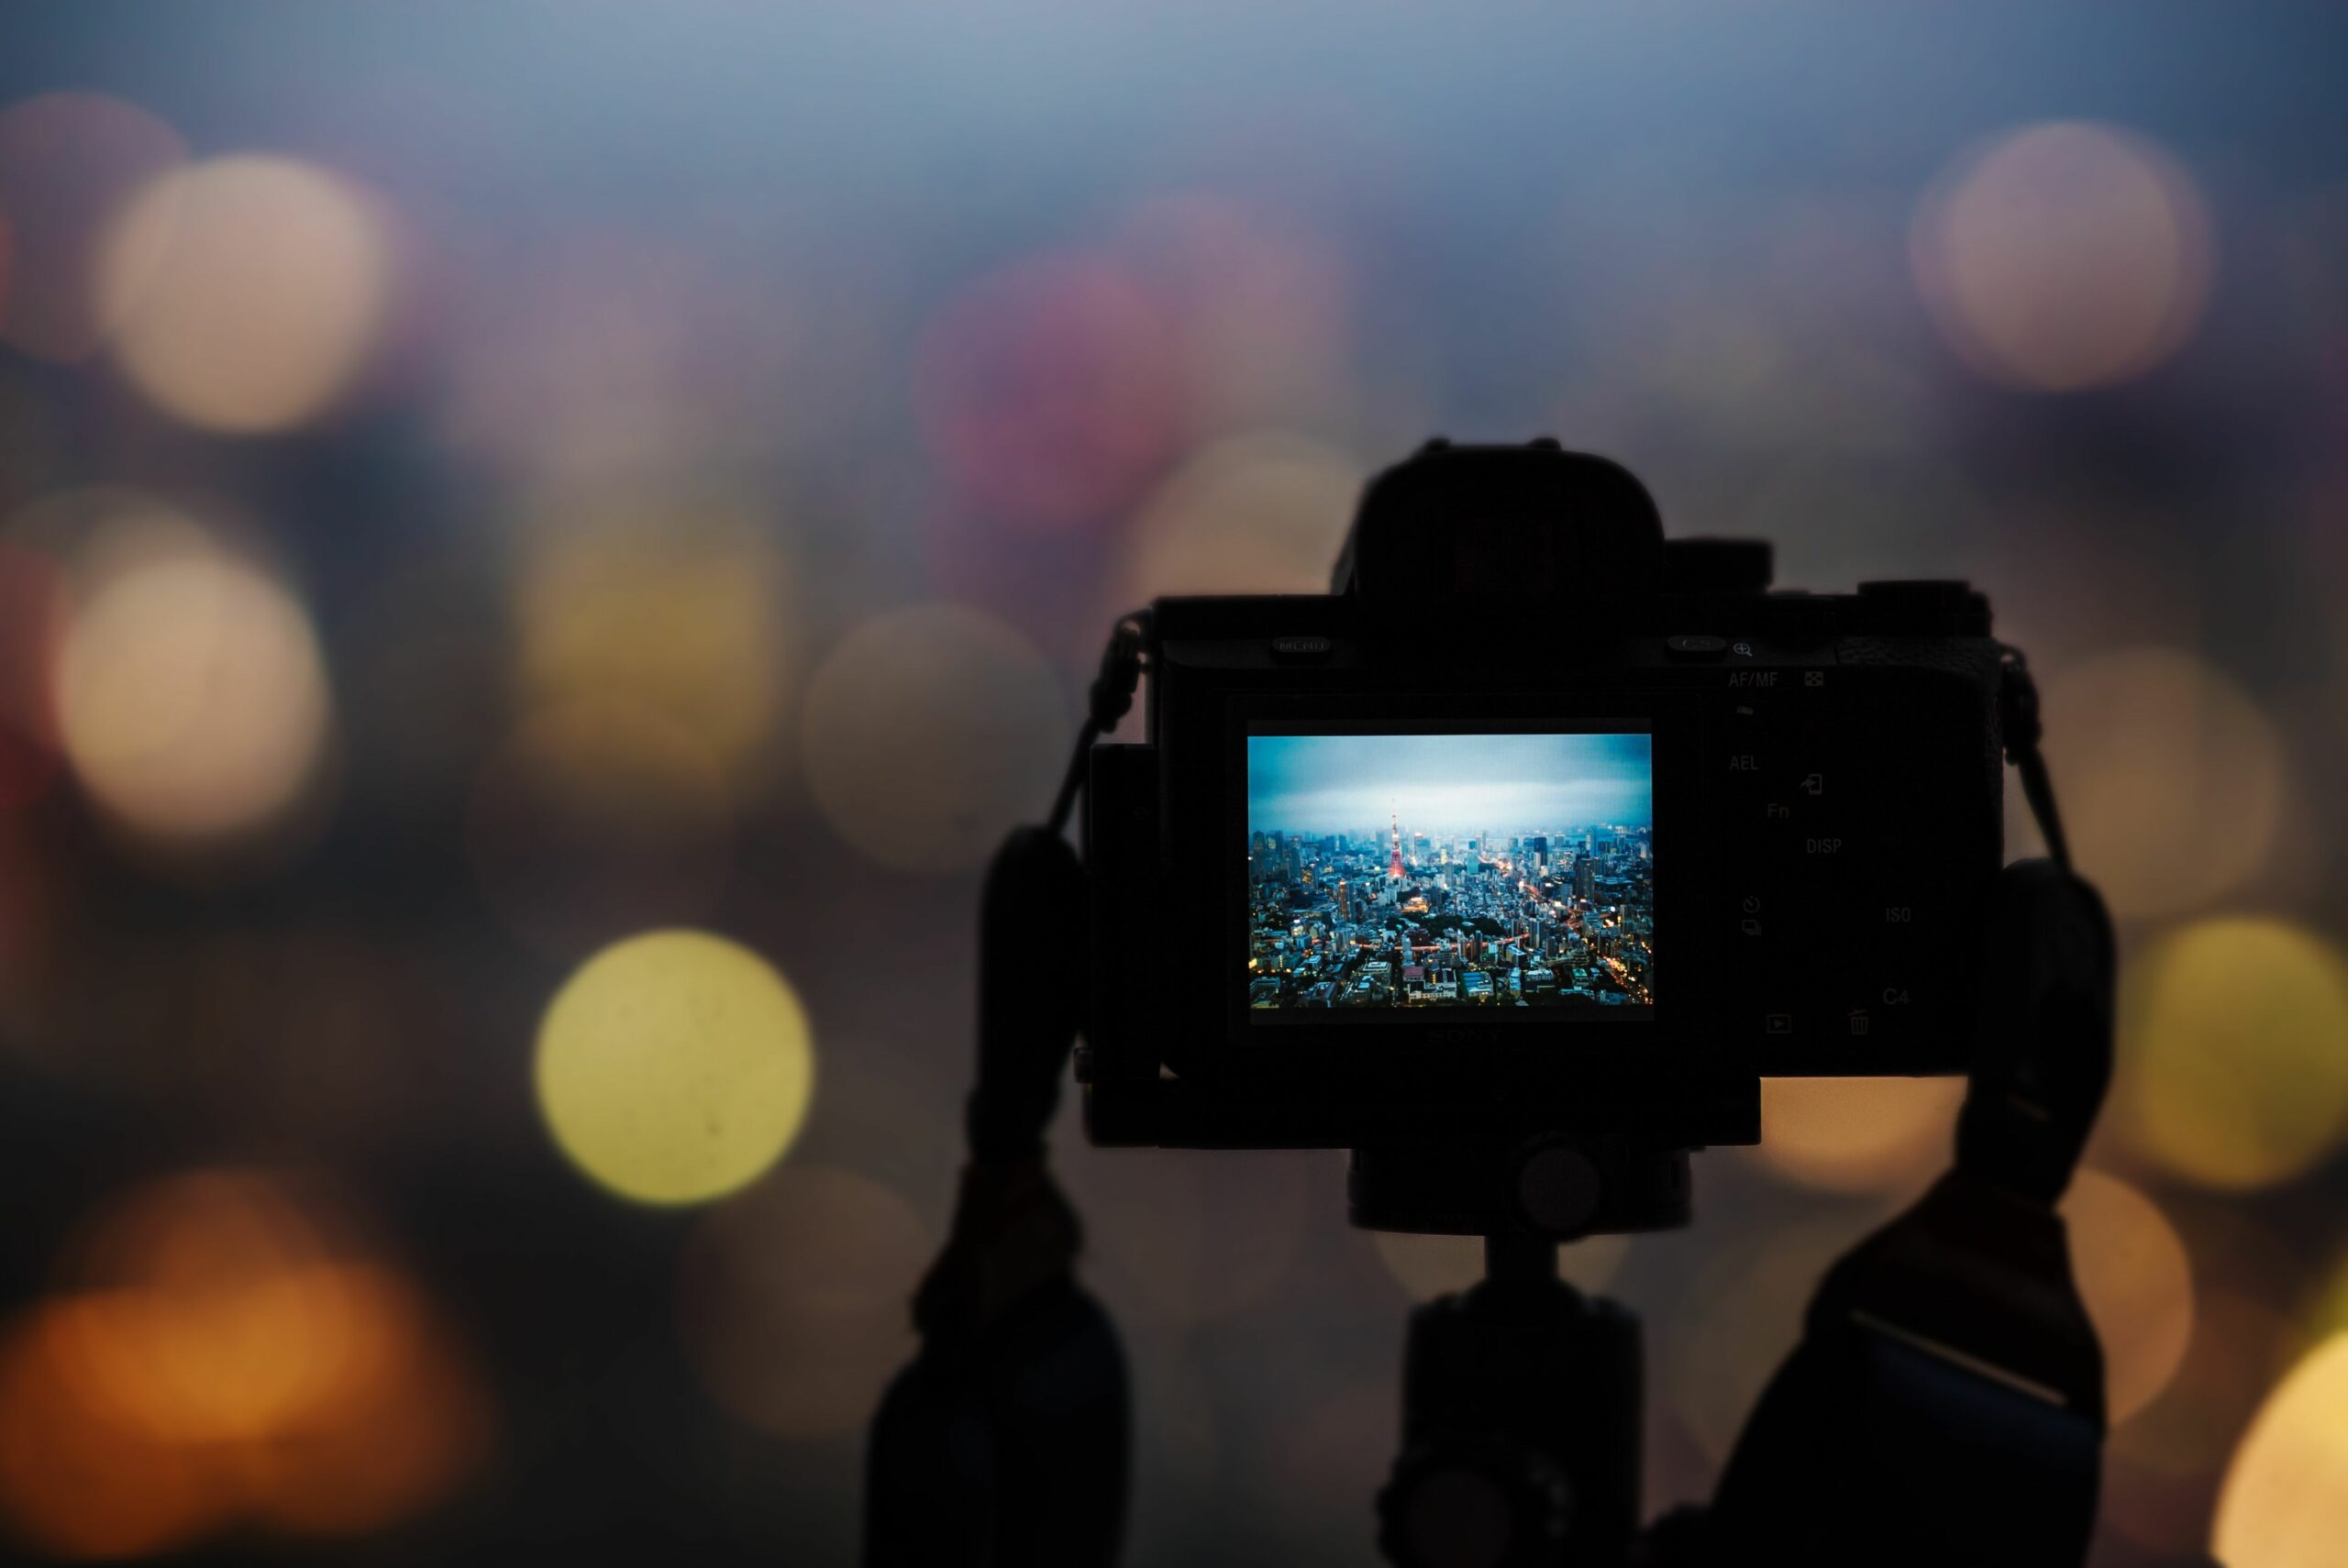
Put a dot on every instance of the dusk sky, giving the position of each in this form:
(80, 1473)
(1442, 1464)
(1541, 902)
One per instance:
(1506, 784)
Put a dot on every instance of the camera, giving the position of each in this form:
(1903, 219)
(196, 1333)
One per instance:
(1537, 823)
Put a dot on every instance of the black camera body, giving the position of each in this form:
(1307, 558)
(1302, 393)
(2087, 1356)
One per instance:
(1537, 824)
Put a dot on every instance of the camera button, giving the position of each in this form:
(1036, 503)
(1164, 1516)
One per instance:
(1695, 647)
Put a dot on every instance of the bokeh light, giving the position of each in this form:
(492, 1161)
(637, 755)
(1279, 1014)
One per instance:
(676, 606)
(601, 817)
(74, 1481)
(190, 691)
(930, 731)
(228, 1351)
(408, 1423)
(1429, 1266)
(1052, 392)
(2172, 780)
(675, 1066)
(249, 289)
(795, 1298)
(2137, 1282)
(2064, 256)
(1857, 1135)
(68, 163)
(1257, 514)
(2286, 1499)
(2234, 1051)
(2161, 1468)
(215, 1312)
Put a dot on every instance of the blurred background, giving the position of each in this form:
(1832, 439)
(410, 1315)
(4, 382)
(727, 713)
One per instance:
(527, 528)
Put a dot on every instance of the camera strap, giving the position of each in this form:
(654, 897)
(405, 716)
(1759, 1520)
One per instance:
(1948, 1355)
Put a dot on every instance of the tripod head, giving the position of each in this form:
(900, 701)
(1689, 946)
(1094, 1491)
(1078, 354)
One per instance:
(1548, 1189)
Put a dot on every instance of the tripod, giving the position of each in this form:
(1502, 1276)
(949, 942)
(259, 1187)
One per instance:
(1944, 1407)
(1522, 1398)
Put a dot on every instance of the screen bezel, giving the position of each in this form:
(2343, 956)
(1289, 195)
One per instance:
(1495, 1044)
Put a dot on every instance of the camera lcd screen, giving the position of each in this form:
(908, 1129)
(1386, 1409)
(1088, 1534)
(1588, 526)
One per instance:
(1390, 872)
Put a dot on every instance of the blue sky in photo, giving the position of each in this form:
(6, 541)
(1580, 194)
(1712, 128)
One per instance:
(1448, 783)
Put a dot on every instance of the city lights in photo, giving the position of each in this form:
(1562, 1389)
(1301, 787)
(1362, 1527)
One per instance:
(1524, 876)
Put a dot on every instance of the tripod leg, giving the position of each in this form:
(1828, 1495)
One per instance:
(1521, 1424)
(1005, 1442)
(1013, 1450)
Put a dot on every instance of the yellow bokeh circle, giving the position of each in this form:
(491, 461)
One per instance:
(2172, 779)
(676, 605)
(2234, 1051)
(2284, 1503)
(675, 1066)
(1857, 1135)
